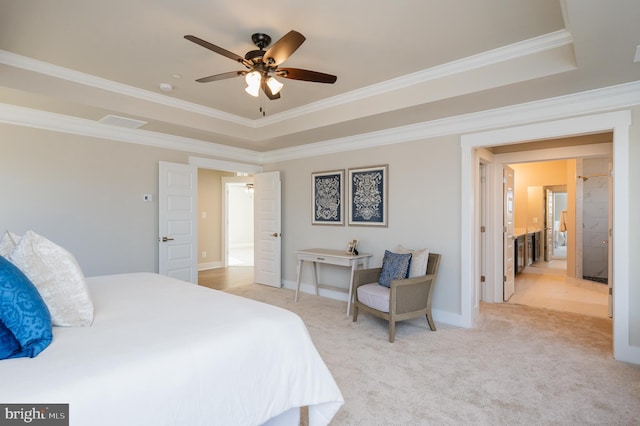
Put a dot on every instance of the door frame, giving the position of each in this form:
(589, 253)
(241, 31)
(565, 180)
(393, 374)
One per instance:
(225, 166)
(618, 122)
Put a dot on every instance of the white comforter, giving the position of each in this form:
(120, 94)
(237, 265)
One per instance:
(165, 352)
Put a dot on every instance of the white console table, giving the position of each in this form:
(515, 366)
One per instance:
(331, 257)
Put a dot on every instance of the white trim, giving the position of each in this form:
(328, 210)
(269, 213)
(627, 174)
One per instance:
(619, 122)
(30, 64)
(209, 265)
(29, 117)
(590, 102)
(609, 98)
(225, 166)
(549, 41)
(502, 54)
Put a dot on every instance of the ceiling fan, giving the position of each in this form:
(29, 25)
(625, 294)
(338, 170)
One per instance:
(263, 65)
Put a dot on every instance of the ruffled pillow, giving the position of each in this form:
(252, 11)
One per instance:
(57, 276)
(25, 323)
(8, 243)
(394, 267)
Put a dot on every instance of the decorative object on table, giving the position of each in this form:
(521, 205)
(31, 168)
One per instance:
(352, 247)
(368, 196)
(328, 197)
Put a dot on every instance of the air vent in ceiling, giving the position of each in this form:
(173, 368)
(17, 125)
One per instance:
(129, 123)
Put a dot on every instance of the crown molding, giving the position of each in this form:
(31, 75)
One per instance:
(29, 117)
(598, 100)
(531, 46)
(516, 50)
(30, 64)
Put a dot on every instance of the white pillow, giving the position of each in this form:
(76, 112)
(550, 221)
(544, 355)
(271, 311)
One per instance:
(419, 260)
(57, 276)
(8, 243)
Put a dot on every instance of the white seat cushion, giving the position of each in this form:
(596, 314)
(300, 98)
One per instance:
(375, 296)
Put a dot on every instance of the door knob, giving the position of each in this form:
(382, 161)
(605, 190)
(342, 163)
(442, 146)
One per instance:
(165, 239)
(275, 234)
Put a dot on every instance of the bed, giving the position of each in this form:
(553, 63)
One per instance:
(165, 352)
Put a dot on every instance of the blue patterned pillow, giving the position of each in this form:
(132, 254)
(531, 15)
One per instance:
(8, 344)
(394, 267)
(23, 313)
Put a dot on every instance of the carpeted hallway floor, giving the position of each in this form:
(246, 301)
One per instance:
(519, 366)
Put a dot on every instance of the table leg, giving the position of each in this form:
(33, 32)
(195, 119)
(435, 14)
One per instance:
(315, 278)
(299, 275)
(354, 266)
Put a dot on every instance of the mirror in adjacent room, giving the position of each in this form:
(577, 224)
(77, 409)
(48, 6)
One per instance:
(547, 214)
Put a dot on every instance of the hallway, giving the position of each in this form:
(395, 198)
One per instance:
(546, 285)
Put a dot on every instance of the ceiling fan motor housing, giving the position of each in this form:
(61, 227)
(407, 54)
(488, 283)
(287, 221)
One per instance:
(261, 40)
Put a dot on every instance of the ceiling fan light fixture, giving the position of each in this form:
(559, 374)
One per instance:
(253, 83)
(274, 85)
(253, 90)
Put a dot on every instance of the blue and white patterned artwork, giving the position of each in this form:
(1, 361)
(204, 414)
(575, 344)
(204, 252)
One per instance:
(328, 203)
(368, 196)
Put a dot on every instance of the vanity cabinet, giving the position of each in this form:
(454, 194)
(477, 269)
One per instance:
(520, 253)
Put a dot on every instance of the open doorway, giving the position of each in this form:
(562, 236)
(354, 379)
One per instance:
(552, 223)
(238, 223)
(475, 149)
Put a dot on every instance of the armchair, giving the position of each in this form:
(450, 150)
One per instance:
(404, 299)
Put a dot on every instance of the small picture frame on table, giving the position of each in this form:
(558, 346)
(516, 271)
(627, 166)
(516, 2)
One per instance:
(327, 197)
(352, 247)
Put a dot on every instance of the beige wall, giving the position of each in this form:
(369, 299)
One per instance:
(86, 194)
(532, 175)
(210, 227)
(424, 210)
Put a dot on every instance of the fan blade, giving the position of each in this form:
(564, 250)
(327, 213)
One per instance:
(306, 75)
(219, 50)
(222, 76)
(267, 91)
(283, 48)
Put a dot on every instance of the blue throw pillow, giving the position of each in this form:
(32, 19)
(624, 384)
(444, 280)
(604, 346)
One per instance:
(394, 267)
(23, 313)
(8, 344)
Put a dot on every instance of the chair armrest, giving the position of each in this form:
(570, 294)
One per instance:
(412, 281)
(365, 276)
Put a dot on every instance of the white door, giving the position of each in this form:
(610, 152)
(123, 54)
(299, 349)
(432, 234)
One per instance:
(609, 242)
(178, 221)
(267, 214)
(509, 277)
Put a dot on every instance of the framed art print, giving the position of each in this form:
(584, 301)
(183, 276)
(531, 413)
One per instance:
(327, 196)
(368, 196)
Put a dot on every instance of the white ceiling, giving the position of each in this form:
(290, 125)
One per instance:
(398, 63)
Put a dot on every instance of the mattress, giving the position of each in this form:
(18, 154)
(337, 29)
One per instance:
(165, 352)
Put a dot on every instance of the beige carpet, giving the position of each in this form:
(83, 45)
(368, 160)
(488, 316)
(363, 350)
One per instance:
(520, 366)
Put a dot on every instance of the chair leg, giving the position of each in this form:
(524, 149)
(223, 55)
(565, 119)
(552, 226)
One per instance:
(392, 331)
(432, 324)
(355, 312)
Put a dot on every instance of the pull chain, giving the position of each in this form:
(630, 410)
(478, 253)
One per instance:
(263, 110)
